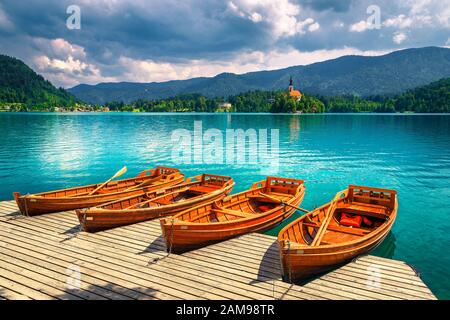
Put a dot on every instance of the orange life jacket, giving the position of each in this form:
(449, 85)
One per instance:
(264, 208)
(349, 220)
(367, 222)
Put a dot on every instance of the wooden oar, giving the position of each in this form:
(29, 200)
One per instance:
(283, 202)
(117, 174)
(143, 184)
(140, 204)
(328, 217)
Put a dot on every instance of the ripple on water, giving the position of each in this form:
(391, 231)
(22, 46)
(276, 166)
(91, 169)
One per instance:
(408, 153)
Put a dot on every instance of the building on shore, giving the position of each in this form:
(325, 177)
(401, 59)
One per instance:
(226, 106)
(297, 95)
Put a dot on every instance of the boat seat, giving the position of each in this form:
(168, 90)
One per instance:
(262, 199)
(280, 195)
(163, 201)
(234, 213)
(353, 231)
(204, 188)
(366, 209)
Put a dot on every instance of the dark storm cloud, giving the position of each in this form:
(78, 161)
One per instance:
(167, 29)
(335, 5)
(177, 32)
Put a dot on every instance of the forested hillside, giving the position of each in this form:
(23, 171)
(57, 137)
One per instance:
(21, 88)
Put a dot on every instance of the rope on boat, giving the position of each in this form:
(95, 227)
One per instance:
(26, 208)
(290, 261)
(169, 252)
(76, 232)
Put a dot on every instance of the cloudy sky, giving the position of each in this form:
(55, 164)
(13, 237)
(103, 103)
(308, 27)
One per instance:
(159, 40)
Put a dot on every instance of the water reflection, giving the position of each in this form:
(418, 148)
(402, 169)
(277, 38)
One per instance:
(387, 248)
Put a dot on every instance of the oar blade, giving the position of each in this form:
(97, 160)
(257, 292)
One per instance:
(120, 172)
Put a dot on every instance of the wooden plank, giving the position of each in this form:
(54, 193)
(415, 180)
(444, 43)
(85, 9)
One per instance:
(112, 282)
(400, 271)
(387, 263)
(413, 283)
(8, 294)
(87, 283)
(30, 292)
(351, 288)
(26, 279)
(113, 264)
(378, 286)
(115, 250)
(273, 268)
(210, 289)
(146, 279)
(57, 289)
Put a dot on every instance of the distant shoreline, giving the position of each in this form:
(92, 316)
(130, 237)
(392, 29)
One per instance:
(216, 113)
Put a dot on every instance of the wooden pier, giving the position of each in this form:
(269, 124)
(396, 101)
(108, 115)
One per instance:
(46, 257)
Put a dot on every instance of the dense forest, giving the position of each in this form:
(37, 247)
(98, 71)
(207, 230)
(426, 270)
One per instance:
(432, 98)
(252, 101)
(22, 89)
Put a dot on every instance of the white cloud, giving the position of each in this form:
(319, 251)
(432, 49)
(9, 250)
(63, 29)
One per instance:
(416, 14)
(360, 26)
(444, 17)
(69, 65)
(71, 71)
(282, 16)
(422, 13)
(5, 22)
(65, 64)
(313, 27)
(150, 71)
(400, 21)
(399, 37)
(277, 59)
(255, 17)
(147, 70)
(59, 48)
(403, 22)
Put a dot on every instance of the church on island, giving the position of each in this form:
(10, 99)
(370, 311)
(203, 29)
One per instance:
(294, 93)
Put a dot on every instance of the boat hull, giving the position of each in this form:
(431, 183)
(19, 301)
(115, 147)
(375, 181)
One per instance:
(296, 267)
(303, 254)
(32, 205)
(98, 219)
(181, 238)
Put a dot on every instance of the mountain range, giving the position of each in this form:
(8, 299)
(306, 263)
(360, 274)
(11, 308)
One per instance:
(363, 76)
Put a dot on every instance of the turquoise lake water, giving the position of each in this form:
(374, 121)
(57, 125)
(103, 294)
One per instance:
(409, 153)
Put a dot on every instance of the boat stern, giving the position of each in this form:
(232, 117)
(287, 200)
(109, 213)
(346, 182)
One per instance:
(167, 229)
(21, 203)
(82, 214)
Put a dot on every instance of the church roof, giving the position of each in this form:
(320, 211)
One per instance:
(295, 93)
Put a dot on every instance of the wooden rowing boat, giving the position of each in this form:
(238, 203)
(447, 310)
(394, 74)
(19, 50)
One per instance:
(248, 211)
(353, 223)
(80, 197)
(157, 203)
